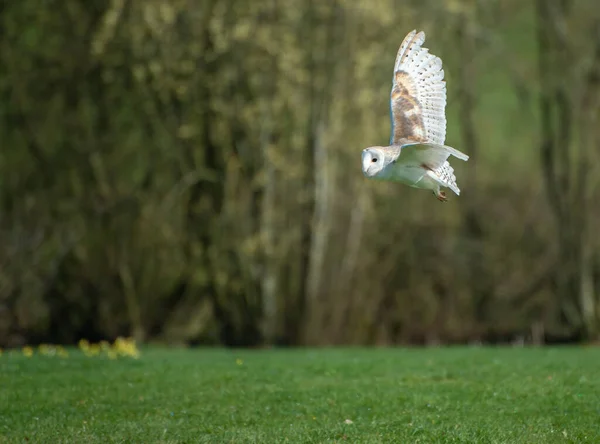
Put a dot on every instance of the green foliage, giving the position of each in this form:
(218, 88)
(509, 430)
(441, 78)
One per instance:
(474, 395)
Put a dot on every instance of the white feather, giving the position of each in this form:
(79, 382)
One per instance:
(434, 157)
(427, 75)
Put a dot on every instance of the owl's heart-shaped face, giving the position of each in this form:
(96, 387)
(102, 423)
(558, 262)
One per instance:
(373, 161)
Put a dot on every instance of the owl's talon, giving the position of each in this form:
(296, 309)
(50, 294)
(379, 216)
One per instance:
(441, 196)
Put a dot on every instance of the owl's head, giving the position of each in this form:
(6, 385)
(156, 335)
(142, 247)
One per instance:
(373, 161)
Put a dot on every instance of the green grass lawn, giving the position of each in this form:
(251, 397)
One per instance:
(466, 395)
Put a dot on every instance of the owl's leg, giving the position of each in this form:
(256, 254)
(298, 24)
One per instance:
(434, 183)
(441, 195)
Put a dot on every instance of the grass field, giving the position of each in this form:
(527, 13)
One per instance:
(469, 395)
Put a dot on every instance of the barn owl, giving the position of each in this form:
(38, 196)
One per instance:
(416, 155)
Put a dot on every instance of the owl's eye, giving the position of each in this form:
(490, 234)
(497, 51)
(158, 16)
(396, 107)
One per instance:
(374, 159)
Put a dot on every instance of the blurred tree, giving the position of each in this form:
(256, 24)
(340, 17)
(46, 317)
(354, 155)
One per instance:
(189, 172)
(565, 155)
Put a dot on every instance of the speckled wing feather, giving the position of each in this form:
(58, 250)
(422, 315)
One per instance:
(418, 96)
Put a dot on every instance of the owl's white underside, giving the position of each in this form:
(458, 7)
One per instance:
(415, 176)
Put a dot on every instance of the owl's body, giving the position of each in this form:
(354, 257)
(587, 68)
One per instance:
(416, 155)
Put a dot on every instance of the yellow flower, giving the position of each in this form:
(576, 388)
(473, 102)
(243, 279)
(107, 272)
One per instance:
(84, 344)
(62, 352)
(93, 350)
(28, 351)
(104, 346)
(46, 350)
(126, 347)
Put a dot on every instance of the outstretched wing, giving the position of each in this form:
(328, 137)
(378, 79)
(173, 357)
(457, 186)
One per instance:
(418, 97)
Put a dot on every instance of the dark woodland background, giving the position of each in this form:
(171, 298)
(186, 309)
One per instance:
(189, 172)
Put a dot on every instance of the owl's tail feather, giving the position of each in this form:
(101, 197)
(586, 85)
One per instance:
(433, 157)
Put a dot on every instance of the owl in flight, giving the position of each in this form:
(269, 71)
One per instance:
(416, 155)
